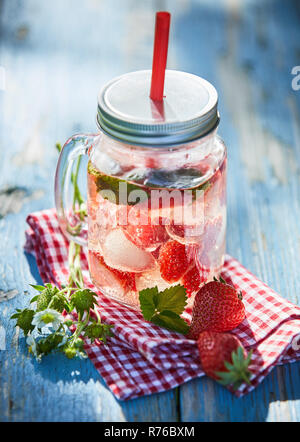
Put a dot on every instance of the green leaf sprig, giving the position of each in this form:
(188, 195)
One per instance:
(46, 329)
(164, 308)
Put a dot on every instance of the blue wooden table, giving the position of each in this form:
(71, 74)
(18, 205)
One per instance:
(56, 55)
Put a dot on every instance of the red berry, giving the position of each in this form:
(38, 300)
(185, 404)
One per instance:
(217, 307)
(217, 348)
(193, 279)
(173, 261)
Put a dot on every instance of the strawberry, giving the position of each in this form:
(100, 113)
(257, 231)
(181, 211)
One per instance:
(146, 236)
(217, 307)
(192, 280)
(223, 358)
(173, 261)
(124, 279)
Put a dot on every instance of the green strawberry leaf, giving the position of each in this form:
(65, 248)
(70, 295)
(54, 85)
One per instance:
(24, 320)
(35, 298)
(172, 299)
(163, 308)
(148, 302)
(39, 288)
(171, 321)
(59, 303)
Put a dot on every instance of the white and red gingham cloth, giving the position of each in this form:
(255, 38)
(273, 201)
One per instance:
(143, 358)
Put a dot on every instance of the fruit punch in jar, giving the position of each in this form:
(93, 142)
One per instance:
(156, 187)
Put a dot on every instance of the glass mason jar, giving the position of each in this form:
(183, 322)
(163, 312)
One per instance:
(156, 197)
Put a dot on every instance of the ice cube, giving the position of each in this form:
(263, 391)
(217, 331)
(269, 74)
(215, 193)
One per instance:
(103, 277)
(120, 253)
(151, 279)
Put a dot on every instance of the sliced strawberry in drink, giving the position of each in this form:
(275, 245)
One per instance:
(105, 275)
(173, 261)
(176, 231)
(146, 236)
(155, 252)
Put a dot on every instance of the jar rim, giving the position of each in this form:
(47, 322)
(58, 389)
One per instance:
(188, 112)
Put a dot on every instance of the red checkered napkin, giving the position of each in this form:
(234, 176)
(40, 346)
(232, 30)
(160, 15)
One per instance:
(143, 358)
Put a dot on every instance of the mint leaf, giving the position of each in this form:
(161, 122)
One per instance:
(163, 308)
(108, 182)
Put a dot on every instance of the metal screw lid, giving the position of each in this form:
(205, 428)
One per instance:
(188, 111)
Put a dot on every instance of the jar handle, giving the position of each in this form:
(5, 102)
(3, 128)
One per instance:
(70, 207)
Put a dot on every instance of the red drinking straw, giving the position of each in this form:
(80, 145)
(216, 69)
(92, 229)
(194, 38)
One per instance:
(160, 52)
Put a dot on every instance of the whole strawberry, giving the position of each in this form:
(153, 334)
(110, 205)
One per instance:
(223, 358)
(217, 307)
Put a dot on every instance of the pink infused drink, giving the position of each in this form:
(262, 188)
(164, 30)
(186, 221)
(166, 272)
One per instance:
(156, 187)
(156, 241)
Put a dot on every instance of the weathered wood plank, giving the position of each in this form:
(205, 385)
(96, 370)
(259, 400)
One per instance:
(251, 50)
(54, 69)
